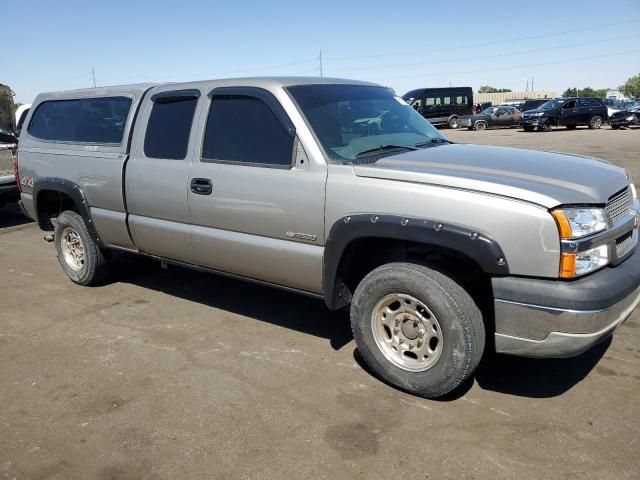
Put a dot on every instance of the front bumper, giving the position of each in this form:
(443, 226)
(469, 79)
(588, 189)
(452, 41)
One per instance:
(555, 319)
(531, 122)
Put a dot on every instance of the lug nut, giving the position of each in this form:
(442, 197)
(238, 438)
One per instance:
(401, 340)
(421, 332)
(419, 343)
(411, 346)
(396, 330)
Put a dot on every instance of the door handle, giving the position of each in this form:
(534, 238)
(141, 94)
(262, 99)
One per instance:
(201, 186)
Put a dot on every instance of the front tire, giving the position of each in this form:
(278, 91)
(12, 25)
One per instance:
(595, 122)
(453, 122)
(80, 257)
(417, 329)
(480, 126)
(528, 128)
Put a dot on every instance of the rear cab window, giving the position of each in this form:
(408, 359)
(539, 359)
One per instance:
(169, 124)
(98, 120)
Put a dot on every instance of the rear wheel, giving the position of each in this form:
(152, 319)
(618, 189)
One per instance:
(615, 127)
(417, 329)
(80, 257)
(528, 128)
(480, 125)
(595, 122)
(453, 122)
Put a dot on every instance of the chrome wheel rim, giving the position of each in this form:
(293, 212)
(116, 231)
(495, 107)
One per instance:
(72, 249)
(480, 126)
(596, 122)
(407, 332)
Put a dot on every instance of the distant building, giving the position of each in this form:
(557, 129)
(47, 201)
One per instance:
(506, 97)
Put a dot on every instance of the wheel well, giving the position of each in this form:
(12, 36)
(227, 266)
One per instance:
(365, 254)
(51, 204)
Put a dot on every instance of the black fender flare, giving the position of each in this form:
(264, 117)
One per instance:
(481, 248)
(73, 191)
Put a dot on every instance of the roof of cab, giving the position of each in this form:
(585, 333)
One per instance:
(139, 88)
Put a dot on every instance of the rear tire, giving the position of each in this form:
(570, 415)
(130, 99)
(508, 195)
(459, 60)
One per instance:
(417, 329)
(615, 127)
(80, 257)
(528, 128)
(595, 122)
(480, 126)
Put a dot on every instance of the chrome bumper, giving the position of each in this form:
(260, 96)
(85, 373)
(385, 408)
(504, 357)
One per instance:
(578, 330)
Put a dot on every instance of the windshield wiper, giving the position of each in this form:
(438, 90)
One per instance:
(433, 141)
(383, 148)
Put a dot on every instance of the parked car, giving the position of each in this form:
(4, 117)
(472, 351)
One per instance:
(492, 117)
(532, 104)
(442, 106)
(625, 118)
(568, 112)
(339, 190)
(8, 188)
(21, 115)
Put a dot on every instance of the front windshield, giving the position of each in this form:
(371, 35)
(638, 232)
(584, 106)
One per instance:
(355, 120)
(551, 104)
(489, 111)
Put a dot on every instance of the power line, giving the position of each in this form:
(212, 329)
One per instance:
(486, 44)
(499, 55)
(515, 66)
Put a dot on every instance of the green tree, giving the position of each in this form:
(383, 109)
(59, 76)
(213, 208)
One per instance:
(16, 106)
(585, 92)
(490, 89)
(631, 88)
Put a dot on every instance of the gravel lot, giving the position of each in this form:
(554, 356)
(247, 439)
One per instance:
(177, 374)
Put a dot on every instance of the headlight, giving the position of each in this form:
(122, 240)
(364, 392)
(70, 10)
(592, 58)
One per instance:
(538, 114)
(629, 118)
(577, 264)
(579, 222)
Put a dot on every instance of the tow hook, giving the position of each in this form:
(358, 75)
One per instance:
(49, 237)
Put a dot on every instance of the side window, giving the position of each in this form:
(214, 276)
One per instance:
(169, 127)
(570, 104)
(431, 102)
(461, 100)
(87, 120)
(438, 100)
(23, 116)
(244, 129)
(447, 100)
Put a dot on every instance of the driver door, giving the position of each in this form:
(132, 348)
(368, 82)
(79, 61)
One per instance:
(569, 113)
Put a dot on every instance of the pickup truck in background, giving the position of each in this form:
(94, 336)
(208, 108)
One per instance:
(340, 190)
(8, 188)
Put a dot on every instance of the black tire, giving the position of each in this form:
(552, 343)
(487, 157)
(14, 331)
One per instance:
(528, 128)
(453, 122)
(546, 127)
(459, 319)
(615, 127)
(470, 129)
(480, 125)
(93, 267)
(571, 127)
(595, 122)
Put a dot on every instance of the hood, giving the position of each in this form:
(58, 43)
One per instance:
(547, 179)
(7, 124)
(535, 110)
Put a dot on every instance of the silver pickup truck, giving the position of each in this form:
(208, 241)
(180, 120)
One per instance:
(338, 189)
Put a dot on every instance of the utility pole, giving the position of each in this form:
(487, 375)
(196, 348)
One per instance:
(320, 62)
(93, 76)
(532, 80)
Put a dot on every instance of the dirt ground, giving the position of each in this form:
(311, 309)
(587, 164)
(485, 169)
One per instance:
(178, 374)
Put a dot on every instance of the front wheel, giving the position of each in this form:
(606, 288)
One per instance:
(80, 257)
(595, 122)
(528, 128)
(615, 127)
(480, 126)
(453, 122)
(417, 329)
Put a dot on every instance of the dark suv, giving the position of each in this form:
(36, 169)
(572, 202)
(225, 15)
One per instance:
(568, 112)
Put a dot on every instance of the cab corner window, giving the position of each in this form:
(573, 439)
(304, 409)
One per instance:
(169, 127)
(244, 129)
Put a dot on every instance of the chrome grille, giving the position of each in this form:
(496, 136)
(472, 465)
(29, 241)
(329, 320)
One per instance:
(6, 162)
(623, 243)
(619, 205)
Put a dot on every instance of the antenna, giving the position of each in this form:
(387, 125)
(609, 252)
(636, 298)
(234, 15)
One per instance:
(93, 76)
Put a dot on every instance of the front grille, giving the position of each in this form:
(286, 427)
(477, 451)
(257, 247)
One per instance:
(623, 243)
(6, 162)
(619, 205)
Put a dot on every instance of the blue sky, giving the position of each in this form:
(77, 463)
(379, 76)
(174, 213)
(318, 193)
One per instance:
(51, 45)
